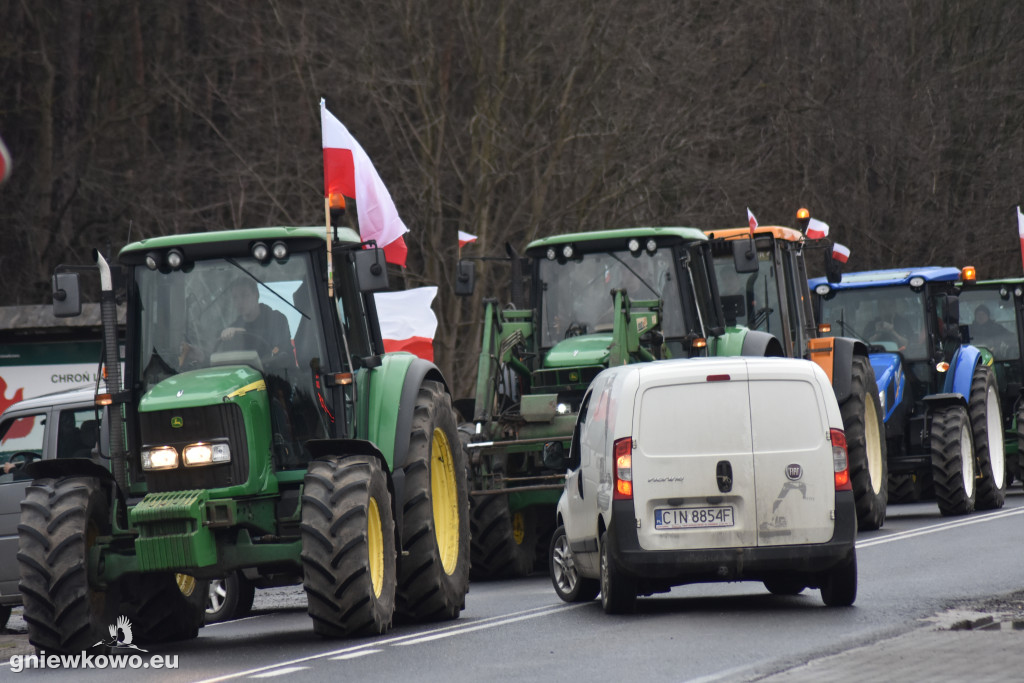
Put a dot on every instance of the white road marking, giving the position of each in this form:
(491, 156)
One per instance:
(280, 672)
(911, 533)
(480, 627)
(353, 655)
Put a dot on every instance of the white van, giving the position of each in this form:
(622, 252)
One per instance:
(697, 470)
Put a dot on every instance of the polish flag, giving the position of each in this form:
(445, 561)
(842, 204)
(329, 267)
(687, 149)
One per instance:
(816, 230)
(465, 238)
(1020, 232)
(349, 172)
(840, 253)
(752, 221)
(407, 322)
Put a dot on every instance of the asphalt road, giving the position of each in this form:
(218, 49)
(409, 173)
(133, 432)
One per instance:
(917, 565)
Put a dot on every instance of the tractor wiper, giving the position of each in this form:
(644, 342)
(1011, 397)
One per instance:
(638, 275)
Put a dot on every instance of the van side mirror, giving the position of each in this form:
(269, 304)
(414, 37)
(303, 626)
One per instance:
(371, 270)
(465, 278)
(67, 300)
(744, 256)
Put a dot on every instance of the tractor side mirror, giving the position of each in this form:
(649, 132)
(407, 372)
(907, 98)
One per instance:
(951, 312)
(555, 457)
(733, 307)
(465, 278)
(67, 300)
(371, 270)
(744, 256)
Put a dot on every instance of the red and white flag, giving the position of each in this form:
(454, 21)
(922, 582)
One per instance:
(752, 221)
(816, 229)
(407, 323)
(1020, 232)
(348, 171)
(465, 238)
(840, 252)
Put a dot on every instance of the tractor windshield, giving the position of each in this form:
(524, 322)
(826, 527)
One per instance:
(577, 294)
(991, 320)
(750, 299)
(890, 317)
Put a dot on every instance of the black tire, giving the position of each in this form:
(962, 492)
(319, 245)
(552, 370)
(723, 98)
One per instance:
(504, 543)
(618, 592)
(903, 488)
(60, 521)
(348, 546)
(565, 577)
(839, 586)
(952, 454)
(5, 615)
(987, 430)
(433, 572)
(1015, 469)
(163, 606)
(865, 443)
(229, 598)
(785, 586)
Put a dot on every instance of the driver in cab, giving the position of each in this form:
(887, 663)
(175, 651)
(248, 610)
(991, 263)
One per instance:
(258, 326)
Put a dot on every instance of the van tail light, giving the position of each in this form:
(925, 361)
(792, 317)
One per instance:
(840, 462)
(623, 453)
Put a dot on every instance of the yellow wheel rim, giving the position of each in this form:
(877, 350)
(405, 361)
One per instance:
(375, 543)
(444, 495)
(518, 528)
(186, 584)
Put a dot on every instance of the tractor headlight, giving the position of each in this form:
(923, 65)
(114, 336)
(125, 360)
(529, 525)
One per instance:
(206, 454)
(159, 458)
(881, 400)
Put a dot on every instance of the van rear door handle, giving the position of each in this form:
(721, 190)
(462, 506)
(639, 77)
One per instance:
(723, 475)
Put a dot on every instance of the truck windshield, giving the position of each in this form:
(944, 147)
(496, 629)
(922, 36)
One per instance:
(576, 295)
(890, 317)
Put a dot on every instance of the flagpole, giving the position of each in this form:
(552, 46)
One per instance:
(330, 249)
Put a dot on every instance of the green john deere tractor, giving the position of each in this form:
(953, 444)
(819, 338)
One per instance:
(291, 445)
(595, 300)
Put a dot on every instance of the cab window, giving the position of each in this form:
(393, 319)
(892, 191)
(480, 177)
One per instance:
(78, 433)
(21, 442)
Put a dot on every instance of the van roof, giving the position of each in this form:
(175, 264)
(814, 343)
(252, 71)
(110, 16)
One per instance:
(82, 394)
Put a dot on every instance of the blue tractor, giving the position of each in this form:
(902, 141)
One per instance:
(939, 397)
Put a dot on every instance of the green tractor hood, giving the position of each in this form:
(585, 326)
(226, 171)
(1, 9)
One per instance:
(204, 387)
(587, 349)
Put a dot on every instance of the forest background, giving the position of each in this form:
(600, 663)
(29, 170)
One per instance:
(898, 122)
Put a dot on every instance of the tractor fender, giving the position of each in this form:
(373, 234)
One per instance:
(946, 399)
(843, 351)
(761, 344)
(961, 370)
(69, 467)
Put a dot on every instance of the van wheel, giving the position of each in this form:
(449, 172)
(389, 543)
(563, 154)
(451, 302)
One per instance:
(565, 576)
(785, 586)
(504, 543)
(952, 454)
(987, 430)
(865, 439)
(433, 570)
(348, 546)
(839, 587)
(229, 598)
(618, 592)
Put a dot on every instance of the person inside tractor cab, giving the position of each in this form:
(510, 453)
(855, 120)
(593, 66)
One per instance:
(891, 326)
(258, 327)
(988, 333)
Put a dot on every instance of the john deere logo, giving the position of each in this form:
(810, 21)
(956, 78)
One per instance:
(177, 422)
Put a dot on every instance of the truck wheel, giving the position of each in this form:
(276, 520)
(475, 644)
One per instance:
(504, 543)
(839, 586)
(987, 430)
(618, 592)
(164, 607)
(348, 547)
(952, 453)
(433, 572)
(229, 598)
(61, 520)
(865, 440)
(569, 585)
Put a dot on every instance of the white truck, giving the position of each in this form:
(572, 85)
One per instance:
(706, 470)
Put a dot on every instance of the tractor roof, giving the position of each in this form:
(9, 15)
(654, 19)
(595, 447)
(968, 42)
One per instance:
(576, 238)
(776, 231)
(887, 278)
(247, 235)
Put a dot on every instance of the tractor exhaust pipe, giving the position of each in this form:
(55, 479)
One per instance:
(112, 360)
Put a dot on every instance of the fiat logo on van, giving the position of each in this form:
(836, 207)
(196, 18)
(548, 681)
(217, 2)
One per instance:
(794, 472)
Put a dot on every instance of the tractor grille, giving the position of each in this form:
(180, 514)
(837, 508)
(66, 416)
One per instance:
(554, 380)
(198, 424)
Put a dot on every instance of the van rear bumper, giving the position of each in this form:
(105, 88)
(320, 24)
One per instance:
(676, 567)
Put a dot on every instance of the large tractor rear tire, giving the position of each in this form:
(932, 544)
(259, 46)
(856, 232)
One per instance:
(61, 520)
(433, 572)
(952, 453)
(1016, 467)
(348, 547)
(163, 606)
(865, 440)
(987, 429)
(504, 543)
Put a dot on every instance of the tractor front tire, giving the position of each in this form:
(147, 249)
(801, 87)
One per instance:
(348, 546)
(164, 606)
(987, 429)
(504, 543)
(952, 454)
(61, 520)
(433, 572)
(865, 440)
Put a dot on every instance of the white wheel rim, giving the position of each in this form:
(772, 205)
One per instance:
(564, 566)
(872, 445)
(996, 456)
(967, 460)
(218, 593)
